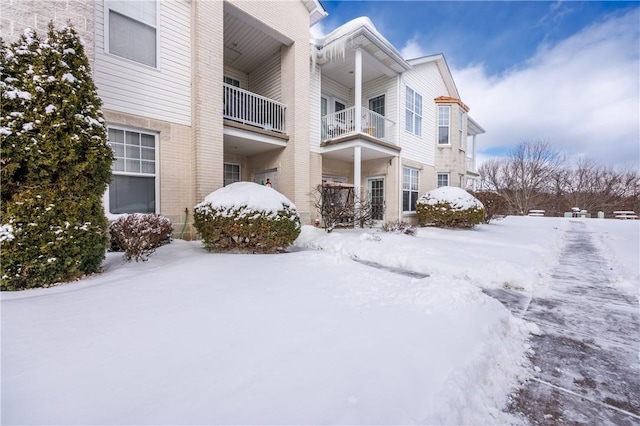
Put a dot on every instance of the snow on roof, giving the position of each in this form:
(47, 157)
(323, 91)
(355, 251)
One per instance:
(457, 197)
(333, 45)
(247, 194)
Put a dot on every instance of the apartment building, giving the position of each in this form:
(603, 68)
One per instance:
(393, 128)
(198, 94)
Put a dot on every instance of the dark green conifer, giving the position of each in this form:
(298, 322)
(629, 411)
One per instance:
(55, 162)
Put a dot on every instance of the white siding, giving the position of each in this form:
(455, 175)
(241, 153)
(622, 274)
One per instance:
(163, 93)
(332, 87)
(265, 79)
(382, 86)
(426, 80)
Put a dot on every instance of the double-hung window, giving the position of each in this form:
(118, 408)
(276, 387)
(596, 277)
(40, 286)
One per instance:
(443, 179)
(460, 121)
(444, 121)
(409, 189)
(231, 173)
(133, 177)
(133, 30)
(413, 112)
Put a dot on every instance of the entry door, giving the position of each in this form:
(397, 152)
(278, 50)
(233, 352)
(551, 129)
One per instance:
(377, 123)
(376, 197)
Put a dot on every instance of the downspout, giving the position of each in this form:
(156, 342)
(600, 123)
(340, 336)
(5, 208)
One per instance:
(400, 156)
(184, 226)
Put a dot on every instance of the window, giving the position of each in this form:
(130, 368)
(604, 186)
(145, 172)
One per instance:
(409, 189)
(132, 28)
(461, 181)
(133, 179)
(460, 121)
(443, 124)
(231, 173)
(443, 179)
(413, 112)
(231, 81)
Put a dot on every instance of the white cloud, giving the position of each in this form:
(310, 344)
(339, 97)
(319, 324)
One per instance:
(318, 30)
(412, 49)
(582, 94)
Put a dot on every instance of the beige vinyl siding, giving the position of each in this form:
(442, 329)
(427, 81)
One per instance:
(314, 112)
(426, 80)
(236, 74)
(265, 80)
(162, 93)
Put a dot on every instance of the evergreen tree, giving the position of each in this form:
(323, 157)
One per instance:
(55, 162)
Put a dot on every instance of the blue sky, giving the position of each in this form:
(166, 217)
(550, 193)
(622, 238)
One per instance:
(567, 72)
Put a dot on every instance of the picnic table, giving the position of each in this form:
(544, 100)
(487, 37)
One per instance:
(625, 214)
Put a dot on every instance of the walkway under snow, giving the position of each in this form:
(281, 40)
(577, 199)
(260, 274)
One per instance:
(586, 367)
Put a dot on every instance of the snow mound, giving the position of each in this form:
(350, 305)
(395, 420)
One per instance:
(458, 198)
(247, 195)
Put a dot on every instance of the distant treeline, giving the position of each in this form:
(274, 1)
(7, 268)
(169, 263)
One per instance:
(537, 176)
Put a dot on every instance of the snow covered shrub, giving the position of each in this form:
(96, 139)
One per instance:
(247, 217)
(449, 207)
(55, 161)
(139, 235)
(399, 226)
(495, 204)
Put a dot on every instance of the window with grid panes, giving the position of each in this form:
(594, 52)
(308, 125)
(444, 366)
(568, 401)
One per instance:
(444, 121)
(410, 180)
(443, 179)
(133, 178)
(231, 173)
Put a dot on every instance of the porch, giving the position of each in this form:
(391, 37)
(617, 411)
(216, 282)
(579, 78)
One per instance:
(342, 124)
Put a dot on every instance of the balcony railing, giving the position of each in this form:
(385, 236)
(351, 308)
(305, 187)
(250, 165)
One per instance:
(471, 165)
(342, 123)
(249, 108)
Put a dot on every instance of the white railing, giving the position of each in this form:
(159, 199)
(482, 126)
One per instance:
(342, 123)
(471, 165)
(249, 108)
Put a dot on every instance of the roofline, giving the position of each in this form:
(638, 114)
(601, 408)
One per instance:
(442, 62)
(316, 11)
(473, 123)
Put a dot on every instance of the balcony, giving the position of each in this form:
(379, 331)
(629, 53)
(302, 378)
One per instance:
(471, 165)
(342, 124)
(249, 108)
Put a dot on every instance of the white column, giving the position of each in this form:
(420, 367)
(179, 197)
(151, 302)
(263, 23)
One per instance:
(357, 156)
(474, 154)
(358, 92)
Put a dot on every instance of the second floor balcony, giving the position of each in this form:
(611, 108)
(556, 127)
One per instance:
(342, 124)
(252, 109)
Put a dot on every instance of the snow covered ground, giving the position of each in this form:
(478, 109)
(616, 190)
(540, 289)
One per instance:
(310, 336)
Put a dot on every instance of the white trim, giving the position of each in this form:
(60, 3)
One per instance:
(155, 175)
(224, 163)
(448, 126)
(447, 174)
(402, 190)
(384, 193)
(106, 26)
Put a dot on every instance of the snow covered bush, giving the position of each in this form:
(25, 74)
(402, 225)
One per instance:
(399, 226)
(449, 207)
(139, 235)
(495, 204)
(55, 161)
(247, 217)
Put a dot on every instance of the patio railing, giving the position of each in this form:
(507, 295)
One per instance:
(250, 108)
(342, 123)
